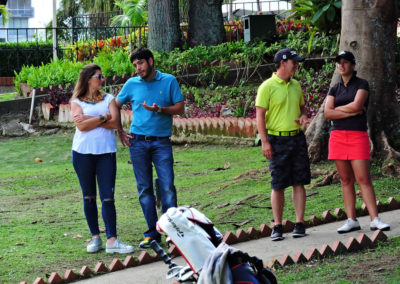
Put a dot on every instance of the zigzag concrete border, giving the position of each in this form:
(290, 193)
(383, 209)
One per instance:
(220, 126)
(352, 245)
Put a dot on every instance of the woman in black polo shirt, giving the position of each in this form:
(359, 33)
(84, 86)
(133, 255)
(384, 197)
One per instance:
(346, 106)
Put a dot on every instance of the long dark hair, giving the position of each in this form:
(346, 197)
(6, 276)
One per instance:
(82, 85)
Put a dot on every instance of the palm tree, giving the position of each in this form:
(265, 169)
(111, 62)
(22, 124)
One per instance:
(72, 7)
(135, 14)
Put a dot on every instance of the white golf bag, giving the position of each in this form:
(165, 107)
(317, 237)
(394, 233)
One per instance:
(209, 260)
(193, 242)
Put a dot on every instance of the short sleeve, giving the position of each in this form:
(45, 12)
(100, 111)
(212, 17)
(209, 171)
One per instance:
(332, 90)
(123, 96)
(176, 92)
(364, 85)
(262, 99)
(109, 98)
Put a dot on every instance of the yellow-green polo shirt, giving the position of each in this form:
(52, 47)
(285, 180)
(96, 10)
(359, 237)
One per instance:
(282, 101)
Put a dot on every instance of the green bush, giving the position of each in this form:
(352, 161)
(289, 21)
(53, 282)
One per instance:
(14, 55)
(181, 62)
(51, 74)
(65, 71)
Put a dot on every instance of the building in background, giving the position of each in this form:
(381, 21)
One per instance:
(241, 8)
(15, 29)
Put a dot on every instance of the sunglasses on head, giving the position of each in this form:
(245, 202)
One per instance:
(99, 76)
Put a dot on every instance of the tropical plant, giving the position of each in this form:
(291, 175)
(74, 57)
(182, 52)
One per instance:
(5, 14)
(83, 51)
(323, 15)
(319, 15)
(135, 14)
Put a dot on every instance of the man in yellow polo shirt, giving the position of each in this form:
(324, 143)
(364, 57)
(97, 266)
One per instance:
(280, 114)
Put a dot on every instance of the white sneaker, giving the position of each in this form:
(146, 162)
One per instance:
(94, 245)
(119, 247)
(377, 224)
(350, 225)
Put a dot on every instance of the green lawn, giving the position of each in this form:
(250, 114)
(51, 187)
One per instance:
(43, 228)
(7, 96)
(380, 265)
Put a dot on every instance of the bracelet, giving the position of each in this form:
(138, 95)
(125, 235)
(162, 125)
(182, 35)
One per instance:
(159, 110)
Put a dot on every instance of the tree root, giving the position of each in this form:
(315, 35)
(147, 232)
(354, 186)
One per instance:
(250, 174)
(391, 157)
(331, 178)
(317, 137)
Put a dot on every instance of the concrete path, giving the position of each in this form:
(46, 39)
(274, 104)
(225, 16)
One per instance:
(263, 248)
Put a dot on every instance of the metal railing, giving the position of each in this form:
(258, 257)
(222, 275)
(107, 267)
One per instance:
(102, 19)
(64, 35)
(241, 8)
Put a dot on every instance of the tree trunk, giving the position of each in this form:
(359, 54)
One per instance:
(369, 31)
(230, 11)
(206, 24)
(163, 18)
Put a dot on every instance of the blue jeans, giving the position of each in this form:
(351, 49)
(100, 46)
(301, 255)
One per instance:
(103, 167)
(143, 155)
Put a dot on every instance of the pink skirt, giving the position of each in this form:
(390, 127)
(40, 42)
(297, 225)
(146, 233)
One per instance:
(348, 145)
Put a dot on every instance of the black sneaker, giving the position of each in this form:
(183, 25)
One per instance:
(277, 233)
(299, 230)
(146, 242)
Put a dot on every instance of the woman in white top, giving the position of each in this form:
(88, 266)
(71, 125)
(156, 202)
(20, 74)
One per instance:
(94, 155)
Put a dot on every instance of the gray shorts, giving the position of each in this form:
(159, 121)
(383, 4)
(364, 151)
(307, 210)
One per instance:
(290, 164)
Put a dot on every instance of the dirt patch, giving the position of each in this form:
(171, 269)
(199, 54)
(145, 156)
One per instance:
(380, 265)
(373, 269)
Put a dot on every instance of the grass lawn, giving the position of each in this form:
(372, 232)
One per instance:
(7, 97)
(380, 265)
(43, 228)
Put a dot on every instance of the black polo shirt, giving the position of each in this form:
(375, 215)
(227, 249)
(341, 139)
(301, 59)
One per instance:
(345, 95)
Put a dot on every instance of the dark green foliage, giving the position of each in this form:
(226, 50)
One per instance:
(14, 55)
(323, 15)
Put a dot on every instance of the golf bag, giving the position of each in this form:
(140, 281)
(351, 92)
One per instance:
(209, 260)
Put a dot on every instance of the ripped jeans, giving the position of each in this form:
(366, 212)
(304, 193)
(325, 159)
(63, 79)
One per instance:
(103, 167)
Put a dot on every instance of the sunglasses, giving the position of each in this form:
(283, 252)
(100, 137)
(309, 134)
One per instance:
(99, 76)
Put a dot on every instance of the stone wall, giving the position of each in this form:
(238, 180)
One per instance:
(19, 105)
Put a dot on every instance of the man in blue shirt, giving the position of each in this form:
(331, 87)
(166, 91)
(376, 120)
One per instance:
(155, 98)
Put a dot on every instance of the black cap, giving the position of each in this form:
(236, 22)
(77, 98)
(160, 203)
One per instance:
(346, 55)
(285, 54)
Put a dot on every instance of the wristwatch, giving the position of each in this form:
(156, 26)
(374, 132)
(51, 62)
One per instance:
(102, 118)
(159, 110)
